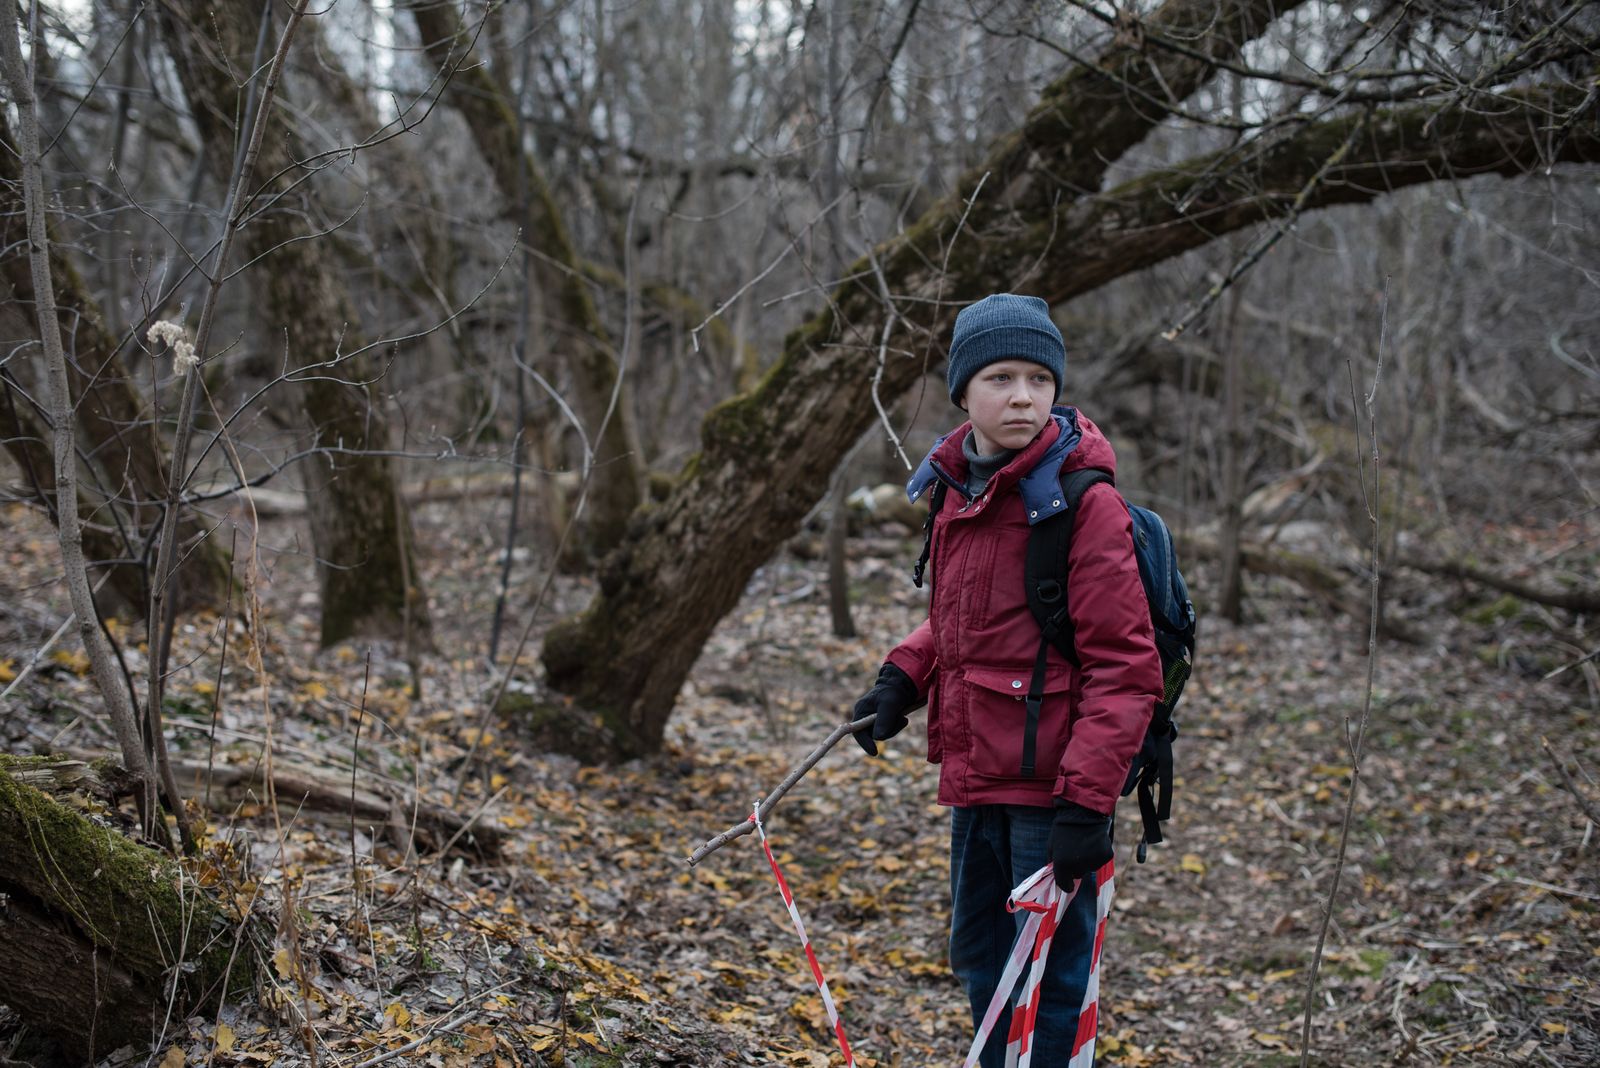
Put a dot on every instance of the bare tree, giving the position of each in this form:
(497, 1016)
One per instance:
(360, 529)
(485, 100)
(123, 454)
(1032, 216)
(119, 707)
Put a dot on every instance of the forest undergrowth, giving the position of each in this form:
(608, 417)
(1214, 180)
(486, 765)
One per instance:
(1467, 930)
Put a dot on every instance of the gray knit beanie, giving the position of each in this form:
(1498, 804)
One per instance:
(1004, 326)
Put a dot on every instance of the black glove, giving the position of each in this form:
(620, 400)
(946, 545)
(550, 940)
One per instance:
(1080, 842)
(888, 701)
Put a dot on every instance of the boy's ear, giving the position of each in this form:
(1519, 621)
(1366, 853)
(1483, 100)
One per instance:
(961, 401)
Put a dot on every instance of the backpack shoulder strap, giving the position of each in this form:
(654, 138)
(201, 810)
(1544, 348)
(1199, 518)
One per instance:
(935, 502)
(1045, 578)
(1076, 483)
(1045, 568)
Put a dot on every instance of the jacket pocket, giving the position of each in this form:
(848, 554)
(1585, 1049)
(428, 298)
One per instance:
(997, 700)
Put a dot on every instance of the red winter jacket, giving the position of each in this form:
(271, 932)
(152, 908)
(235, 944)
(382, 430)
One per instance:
(974, 656)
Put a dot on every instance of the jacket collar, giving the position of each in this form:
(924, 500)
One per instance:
(1039, 467)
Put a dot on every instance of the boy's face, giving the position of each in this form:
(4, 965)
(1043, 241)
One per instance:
(1008, 403)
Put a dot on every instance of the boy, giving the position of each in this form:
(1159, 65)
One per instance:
(972, 660)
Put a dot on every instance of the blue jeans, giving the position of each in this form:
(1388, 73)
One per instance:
(992, 849)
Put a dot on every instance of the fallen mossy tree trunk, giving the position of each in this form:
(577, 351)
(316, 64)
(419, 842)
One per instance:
(104, 942)
(371, 801)
(1577, 599)
(1316, 579)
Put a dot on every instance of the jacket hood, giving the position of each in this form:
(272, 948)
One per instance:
(1074, 443)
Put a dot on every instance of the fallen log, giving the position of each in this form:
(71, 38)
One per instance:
(103, 779)
(373, 802)
(279, 504)
(1326, 584)
(104, 939)
(1575, 600)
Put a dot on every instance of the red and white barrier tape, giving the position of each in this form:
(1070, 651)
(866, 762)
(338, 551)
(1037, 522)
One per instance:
(1037, 895)
(800, 929)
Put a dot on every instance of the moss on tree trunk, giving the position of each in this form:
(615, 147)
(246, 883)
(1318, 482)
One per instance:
(99, 934)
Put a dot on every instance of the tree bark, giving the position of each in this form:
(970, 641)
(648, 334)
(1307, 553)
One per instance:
(490, 111)
(1230, 585)
(829, 182)
(363, 540)
(121, 445)
(99, 933)
(767, 454)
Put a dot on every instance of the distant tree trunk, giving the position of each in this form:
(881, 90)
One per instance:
(1230, 593)
(766, 454)
(26, 433)
(19, 80)
(490, 111)
(361, 535)
(117, 433)
(830, 182)
(838, 573)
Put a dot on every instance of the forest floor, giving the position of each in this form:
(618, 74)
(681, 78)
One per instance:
(1467, 928)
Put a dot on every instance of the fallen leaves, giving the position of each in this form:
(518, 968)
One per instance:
(587, 940)
(74, 660)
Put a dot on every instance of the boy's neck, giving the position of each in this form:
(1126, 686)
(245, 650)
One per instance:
(981, 467)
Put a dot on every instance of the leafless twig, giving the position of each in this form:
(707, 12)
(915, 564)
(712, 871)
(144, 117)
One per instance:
(891, 317)
(1572, 787)
(572, 520)
(39, 653)
(1354, 744)
(431, 1034)
(222, 662)
(1576, 663)
(772, 799)
(355, 765)
(694, 335)
(1263, 245)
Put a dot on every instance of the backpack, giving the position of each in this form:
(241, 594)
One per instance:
(1172, 618)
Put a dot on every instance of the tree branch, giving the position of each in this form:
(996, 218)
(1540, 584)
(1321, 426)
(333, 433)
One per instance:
(1354, 744)
(795, 775)
(767, 454)
(1171, 211)
(1584, 803)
